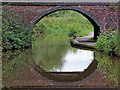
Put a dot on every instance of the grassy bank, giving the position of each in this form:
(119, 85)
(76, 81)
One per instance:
(63, 25)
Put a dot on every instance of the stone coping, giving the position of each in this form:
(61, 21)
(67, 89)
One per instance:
(61, 2)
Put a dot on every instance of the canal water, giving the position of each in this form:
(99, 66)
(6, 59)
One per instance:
(58, 64)
(61, 57)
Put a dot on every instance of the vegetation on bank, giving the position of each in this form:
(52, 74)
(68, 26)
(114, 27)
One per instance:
(109, 42)
(64, 24)
(14, 34)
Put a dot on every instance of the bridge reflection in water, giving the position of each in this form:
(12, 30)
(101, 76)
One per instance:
(43, 66)
(60, 62)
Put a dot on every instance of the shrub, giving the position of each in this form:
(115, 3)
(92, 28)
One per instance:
(72, 33)
(108, 42)
(14, 34)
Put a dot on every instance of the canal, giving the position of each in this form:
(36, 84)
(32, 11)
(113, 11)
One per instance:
(58, 64)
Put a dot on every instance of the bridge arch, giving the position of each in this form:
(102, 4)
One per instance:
(86, 14)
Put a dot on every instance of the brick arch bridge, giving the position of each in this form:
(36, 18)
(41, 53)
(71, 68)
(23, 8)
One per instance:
(92, 19)
(102, 15)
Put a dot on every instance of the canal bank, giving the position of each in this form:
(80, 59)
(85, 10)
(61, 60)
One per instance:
(86, 41)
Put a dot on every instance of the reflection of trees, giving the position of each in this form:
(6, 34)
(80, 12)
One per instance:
(109, 65)
(49, 54)
(14, 61)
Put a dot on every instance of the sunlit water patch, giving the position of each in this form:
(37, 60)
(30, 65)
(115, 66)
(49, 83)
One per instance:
(75, 61)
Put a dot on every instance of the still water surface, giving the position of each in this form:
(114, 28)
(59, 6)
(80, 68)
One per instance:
(58, 57)
(61, 57)
(75, 61)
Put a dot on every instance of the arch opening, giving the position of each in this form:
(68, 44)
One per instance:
(86, 14)
(56, 52)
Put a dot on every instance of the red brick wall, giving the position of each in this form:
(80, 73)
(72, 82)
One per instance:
(106, 15)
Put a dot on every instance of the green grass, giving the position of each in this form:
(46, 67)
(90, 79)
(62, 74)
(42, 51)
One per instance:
(59, 24)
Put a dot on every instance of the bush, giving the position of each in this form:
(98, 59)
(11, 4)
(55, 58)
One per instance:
(14, 34)
(72, 33)
(108, 42)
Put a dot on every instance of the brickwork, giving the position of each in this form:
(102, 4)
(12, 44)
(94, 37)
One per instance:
(102, 17)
